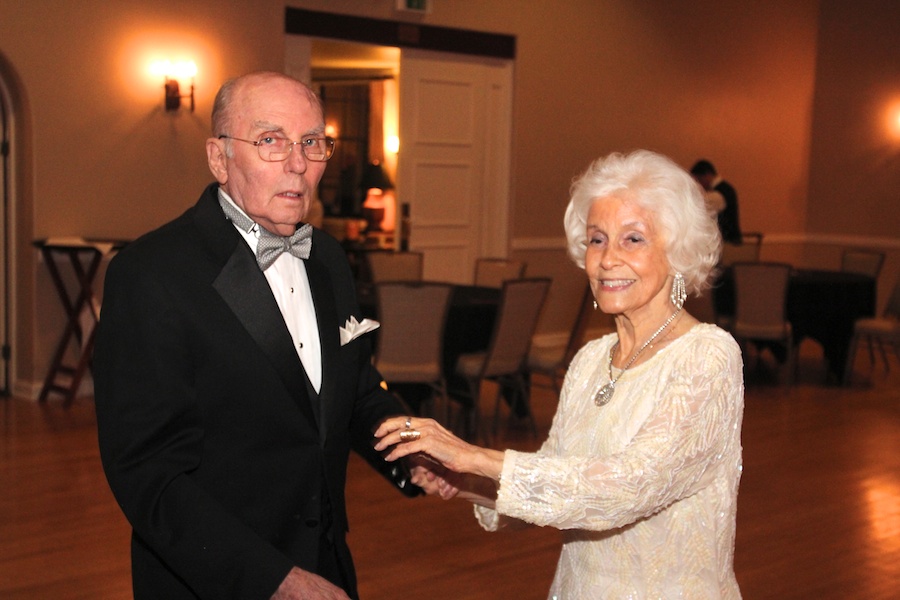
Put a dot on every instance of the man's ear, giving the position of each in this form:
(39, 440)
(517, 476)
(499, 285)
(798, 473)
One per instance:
(215, 157)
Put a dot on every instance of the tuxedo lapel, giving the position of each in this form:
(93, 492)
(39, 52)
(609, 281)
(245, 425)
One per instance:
(245, 289)
(329, 333)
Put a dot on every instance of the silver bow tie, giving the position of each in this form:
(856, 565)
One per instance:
(270, 246)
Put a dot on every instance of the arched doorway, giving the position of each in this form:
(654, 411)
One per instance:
(7, 212)
(4, 247)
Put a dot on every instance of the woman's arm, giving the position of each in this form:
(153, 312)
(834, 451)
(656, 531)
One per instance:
(695, 424)
(691, 435)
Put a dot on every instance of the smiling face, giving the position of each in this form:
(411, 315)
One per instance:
(626, 261)
(277, 195)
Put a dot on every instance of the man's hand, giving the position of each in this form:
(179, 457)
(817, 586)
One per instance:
(430, 476)
(303, 585)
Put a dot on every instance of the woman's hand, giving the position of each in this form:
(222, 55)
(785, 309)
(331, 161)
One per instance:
(406, 436)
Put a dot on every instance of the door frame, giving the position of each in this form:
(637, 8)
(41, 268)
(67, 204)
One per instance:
(402, 34)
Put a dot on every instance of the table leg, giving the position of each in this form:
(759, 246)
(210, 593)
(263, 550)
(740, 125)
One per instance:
(84, 298)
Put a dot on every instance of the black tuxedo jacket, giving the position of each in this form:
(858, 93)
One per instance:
(729, 217)
(227, 464)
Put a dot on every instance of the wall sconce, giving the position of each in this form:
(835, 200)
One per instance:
(892, 121)
(172, 74)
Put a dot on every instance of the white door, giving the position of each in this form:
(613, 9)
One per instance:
(453, 165)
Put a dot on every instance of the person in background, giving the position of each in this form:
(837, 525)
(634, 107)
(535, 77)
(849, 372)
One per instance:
(233, 373)
(643, 460)
(720, 197)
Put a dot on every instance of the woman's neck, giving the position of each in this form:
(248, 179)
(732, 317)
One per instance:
(634, 335)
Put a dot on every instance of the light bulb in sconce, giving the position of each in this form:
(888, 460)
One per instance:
(392, 144)
(895, 122)
(173, 75)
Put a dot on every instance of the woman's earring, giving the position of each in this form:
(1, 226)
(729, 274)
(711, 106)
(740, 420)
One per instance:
(678, 294)
(595, 305)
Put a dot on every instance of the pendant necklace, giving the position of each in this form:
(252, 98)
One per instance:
(605, 394)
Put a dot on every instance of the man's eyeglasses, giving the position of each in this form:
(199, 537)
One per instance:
(272, 148)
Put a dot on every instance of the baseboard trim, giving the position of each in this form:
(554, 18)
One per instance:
(31, 390)
(887, 243)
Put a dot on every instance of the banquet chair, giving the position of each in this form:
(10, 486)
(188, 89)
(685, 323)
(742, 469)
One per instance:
(760, 314)
(747, 251)
(492, 272)
(387, 265)
(553, 362)
(879, 331)
(864, 262)
(505, 360)
(411, 336)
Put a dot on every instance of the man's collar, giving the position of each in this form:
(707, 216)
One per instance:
(224, 195)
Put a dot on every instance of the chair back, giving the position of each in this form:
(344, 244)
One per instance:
(864, 262)
(517, 318)
(892, 309)
(747, 251)
(410, 339)
(548, 360)
(579, 328)
(395, 266)
(876, 331)
(492, 272)
(761, 300)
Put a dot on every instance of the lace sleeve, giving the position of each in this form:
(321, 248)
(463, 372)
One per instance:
(692, 428)
(489, 518)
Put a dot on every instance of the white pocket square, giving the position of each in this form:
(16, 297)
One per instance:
(352, 329)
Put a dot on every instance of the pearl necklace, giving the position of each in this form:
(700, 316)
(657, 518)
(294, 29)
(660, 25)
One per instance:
(605, 393)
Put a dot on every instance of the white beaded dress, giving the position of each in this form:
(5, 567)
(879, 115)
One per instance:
(644, 488)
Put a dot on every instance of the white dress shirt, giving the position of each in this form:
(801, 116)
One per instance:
(290, 285)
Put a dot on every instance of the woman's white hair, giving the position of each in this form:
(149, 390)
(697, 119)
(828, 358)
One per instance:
(655, 183)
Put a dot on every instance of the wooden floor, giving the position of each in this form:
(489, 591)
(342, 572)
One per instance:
(818, 516)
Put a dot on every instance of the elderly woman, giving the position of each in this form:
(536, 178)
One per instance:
(643, 460)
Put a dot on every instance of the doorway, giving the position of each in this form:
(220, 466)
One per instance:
(454, 128)
(358, 86)
(5, 237)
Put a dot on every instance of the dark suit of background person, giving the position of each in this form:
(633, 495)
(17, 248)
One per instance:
(227, 463)
(728, 218)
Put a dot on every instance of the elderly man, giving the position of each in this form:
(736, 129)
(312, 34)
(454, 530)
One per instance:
(232, 376)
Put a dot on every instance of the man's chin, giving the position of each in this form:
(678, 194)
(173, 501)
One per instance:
(283, 229)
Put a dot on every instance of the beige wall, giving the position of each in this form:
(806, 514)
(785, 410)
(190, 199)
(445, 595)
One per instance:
(855, 157)
(731, 81)
(99, 156)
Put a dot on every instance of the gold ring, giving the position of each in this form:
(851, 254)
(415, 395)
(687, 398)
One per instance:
(409, 435)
